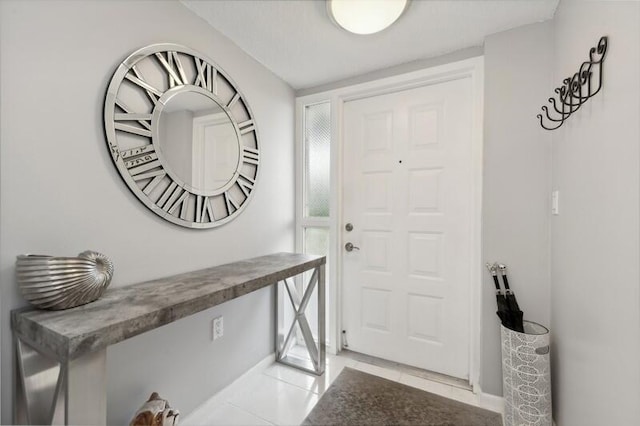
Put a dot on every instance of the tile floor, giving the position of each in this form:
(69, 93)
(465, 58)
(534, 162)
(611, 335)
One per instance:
(279, 395)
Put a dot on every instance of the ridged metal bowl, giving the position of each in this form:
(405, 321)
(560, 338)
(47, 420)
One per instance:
(55, 283)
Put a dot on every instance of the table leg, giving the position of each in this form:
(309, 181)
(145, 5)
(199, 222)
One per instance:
(50, 392)
(315, 347)
(36, 391)
(86, 390)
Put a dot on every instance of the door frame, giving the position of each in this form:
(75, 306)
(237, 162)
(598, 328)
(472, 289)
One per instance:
(472, 68)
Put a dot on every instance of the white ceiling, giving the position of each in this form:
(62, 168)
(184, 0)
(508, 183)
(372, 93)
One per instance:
(296, 40)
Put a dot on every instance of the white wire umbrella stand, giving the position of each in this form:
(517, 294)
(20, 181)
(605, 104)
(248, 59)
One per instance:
(526, 376)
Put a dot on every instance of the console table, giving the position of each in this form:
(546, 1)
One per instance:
(61, 355)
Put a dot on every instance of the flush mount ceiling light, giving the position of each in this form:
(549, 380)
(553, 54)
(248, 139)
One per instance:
(365, 16)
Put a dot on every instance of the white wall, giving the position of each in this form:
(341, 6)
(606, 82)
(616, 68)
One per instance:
(447, 58)
(517, 181)
(61, 194)
(595, 297)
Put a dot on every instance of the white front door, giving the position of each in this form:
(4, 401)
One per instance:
(407, 191)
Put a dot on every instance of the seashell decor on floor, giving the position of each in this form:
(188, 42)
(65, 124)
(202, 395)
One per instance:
(155, 412)
(55, 283)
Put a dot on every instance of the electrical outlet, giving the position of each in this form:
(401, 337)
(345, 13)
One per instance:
(217, 327)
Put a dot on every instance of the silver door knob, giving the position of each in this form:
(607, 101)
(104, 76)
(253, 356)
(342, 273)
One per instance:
(350, 247)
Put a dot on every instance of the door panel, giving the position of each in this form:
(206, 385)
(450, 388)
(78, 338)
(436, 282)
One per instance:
(407, 191)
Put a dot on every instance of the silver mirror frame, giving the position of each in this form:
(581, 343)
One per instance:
(172, 203)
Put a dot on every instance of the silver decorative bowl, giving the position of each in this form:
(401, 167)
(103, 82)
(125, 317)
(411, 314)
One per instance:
(50, 282)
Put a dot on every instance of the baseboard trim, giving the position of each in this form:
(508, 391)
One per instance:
(494, 403)
(490, 402)
(201, 410)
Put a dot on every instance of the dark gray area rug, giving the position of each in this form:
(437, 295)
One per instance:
(357, 398)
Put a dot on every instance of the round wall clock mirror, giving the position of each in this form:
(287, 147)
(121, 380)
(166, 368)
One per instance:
(182, 136)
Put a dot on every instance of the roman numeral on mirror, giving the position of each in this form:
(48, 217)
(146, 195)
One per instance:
(182, 202)
(250, 155)
(140, 160)
(121, 121)
(164, 197)
(143, 119)
(133, 129)
(150, 174)
(137, 79)
(233, 100)
(203, 209)
(246, 127)
(134, 152)
(157, 177)
(177, 198)
(245, 183)
(174, 69)
(136, 170)
(229, 202)
(206, 76)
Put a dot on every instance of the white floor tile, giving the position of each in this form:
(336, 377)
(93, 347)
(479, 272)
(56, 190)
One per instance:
(295, 377)
(309, 381)
(340, 361)
(200, 415)
(276, 401)
(282, 395)
(228, 415)
(335, 365)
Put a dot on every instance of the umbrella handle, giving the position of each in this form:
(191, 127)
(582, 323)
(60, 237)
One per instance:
(497, 284)
(503, 272)
(493, 269)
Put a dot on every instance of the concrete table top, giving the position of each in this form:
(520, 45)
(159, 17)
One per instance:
(124, 312)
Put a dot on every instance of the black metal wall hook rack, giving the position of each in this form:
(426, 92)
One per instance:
(576, 90)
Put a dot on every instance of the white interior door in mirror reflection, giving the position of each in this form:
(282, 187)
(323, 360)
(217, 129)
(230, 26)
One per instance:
(215, 150)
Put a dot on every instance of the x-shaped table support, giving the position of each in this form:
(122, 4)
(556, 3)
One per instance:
(316, 350)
